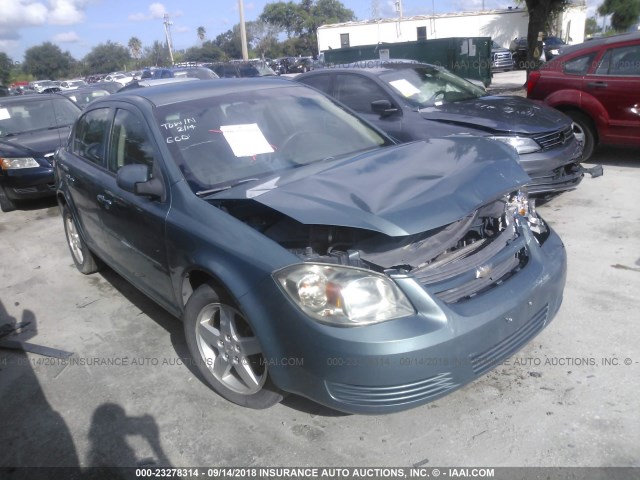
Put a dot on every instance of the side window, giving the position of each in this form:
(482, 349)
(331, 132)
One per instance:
(624, 61)
(421, 33)
(90, 138)
(603, 66)
(578, 65)
(344, 40)
(321, 82)
(358, 92)
(129, 142)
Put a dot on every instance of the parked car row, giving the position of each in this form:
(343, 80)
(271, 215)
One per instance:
(315, 235)
(355, 228)
(285, 65)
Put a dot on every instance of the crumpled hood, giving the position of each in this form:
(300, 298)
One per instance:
(399, 190)
(499, 115)
(33, 144)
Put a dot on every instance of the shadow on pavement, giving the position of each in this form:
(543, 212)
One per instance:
(34, 434)
(616, 156)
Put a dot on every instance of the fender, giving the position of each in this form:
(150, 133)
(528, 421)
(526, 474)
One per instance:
(569, 98)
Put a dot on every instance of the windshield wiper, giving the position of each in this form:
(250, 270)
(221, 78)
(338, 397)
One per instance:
(202, 193)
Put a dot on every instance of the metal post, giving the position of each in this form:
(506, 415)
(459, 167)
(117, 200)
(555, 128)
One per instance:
(243, 31)
(167, 34)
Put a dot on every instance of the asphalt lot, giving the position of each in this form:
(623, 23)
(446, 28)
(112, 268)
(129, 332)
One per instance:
(566, 399)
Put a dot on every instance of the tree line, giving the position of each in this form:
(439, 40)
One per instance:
(282, 29)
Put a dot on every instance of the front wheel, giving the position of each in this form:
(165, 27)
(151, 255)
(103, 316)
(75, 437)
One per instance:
(226, 351)
(584, 132)
(83, 258)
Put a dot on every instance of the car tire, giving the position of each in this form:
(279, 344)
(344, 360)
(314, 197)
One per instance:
(6, 204)
(82, 257)
(226, 351)
(584, 131)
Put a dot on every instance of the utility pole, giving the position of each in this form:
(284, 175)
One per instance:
(399, 8)
(243, 31)
(167, 35)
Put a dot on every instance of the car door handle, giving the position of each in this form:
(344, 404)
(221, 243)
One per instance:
(597, 84)
(104, 201)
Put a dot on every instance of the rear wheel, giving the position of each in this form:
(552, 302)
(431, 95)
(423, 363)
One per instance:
(226, 351)
(6, 204)
(83, 258)
(584, 131)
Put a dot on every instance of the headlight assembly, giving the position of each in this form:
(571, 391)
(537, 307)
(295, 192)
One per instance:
(343, 296)
(18, 162)
(521, 144)
(520, 205)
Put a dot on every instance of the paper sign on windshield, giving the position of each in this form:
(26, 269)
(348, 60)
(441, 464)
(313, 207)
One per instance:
(246, 140)
(4, 114)
(405, 87)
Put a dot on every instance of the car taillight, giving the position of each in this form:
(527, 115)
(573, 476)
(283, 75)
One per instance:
(534, 76)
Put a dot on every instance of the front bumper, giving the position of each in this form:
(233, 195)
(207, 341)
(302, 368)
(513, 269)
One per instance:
(555, 170)
(28, 183)
(407, 362)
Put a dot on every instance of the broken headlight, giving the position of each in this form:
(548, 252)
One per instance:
(520, 205)
(343, 296)
(521, 144)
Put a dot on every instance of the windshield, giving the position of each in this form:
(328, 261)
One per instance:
(82, 98)
(29, 116)
(427, 86)
(223, 140)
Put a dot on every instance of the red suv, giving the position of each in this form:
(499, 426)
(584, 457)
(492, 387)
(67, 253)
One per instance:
(597, 84)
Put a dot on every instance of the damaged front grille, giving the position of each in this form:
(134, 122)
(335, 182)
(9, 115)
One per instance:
(475, 267)
(456, 262)
(555, 139)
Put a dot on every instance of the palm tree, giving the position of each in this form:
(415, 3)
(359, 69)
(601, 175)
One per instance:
(135, 45)
(201, 34)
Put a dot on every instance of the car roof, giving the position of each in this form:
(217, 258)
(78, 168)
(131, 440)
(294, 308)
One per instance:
(598, 42)
(175, 92)
(29, 98)
(83, 89)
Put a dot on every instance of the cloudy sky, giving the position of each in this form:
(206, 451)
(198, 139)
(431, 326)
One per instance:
(79, 25)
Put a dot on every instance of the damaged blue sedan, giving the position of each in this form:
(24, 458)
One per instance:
(305, 251)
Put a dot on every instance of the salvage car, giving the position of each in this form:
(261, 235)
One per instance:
(412, 101)
(308, 253)
(596, 84)
(83, 95)
(32, 127)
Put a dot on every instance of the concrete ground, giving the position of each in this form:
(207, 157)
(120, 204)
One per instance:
(512, 80)
(569, 398)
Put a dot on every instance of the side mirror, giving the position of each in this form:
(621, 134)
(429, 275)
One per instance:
(135, 178)
(383, 108)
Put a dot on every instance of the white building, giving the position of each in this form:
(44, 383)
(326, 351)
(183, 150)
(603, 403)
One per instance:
(501, 25)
